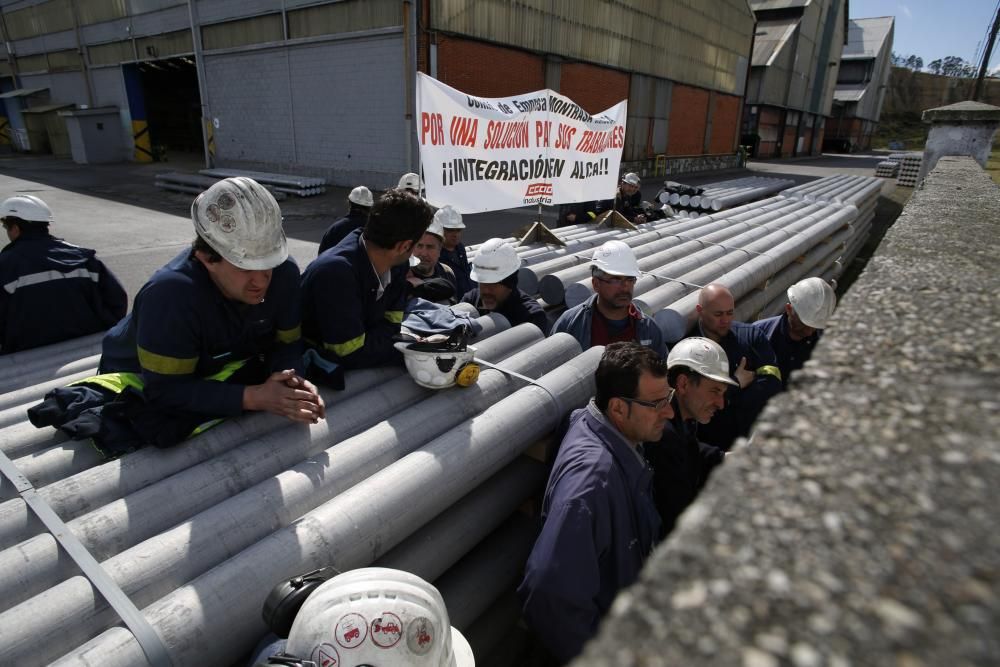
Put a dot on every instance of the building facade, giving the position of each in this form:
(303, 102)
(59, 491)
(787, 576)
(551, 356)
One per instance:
(862, 84)
(796, 57)
(326, 87)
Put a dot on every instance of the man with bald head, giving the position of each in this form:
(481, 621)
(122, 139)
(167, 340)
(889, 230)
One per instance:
(752, 364)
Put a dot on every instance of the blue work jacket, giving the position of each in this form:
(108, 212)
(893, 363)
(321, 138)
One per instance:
(791, 354)
(518, 308)
(183, 336)
(458, 260)
(355, 219)
(579, 320)
(343, 316)
(599, 526)
(54, 291)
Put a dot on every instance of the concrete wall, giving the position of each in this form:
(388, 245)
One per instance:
(859, 528)
(333, 108)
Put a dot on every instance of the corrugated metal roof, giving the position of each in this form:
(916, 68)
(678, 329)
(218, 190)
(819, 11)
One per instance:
(866, 36)
(764, 5)
(770, 37)
(849, 92)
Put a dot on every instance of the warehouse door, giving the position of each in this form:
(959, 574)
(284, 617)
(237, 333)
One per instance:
(165, 106)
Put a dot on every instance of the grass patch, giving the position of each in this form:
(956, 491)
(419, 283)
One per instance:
(907, 128)
(993, 165)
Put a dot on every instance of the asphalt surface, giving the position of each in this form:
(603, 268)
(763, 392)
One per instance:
(859, 527)
(136, 227)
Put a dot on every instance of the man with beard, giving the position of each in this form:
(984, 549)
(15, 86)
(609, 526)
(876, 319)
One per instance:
(609, 315)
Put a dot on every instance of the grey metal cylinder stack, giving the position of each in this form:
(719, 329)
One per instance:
(196, 535)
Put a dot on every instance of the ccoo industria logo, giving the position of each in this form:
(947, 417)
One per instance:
(538, 193)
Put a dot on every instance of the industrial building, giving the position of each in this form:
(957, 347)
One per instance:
(862, 84)
(793, 71)
(326, 88)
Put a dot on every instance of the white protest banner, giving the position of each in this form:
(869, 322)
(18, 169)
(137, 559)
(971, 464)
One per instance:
(485, 154)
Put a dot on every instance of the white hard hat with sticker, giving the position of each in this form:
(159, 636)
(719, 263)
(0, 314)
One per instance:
(377, 616)
(241, 221)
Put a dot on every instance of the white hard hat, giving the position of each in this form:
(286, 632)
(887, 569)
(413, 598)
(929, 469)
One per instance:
(28, 208)
(495, 261)
(702, 355)
(631, 178)
(411, 181)
(434, 369)
(435, 228)
(241, 221)
(377, 616)
(449, 218)
(361, 196)
(617, 259)
(813, 300)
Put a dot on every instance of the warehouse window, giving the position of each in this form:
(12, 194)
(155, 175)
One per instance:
(145, 6)
(167, 44)
(340, 17)
(36, 63)
(256, 30)
(65, 61)
(98, 11)
(111, 53)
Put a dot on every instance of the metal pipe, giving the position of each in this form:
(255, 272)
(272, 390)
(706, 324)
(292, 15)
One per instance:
(437, 546)
(28, 361)
(352, 530)
(152, 569)
(13, 404)
(487, 572)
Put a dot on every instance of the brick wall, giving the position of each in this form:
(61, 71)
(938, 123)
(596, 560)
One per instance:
(688, 117)
(486, 70)
(592, 87)
(725, 122)
(788, 141)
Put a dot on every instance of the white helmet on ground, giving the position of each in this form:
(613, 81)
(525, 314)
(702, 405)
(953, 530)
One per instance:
(616, 258)
(377, 616)
(449, 218)
(411, 182)
(26, 207)
(702, 355)
(241, 221)
(495, 261)
(361, 196)
(813, 301)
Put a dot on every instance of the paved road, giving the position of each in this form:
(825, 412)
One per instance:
(137, 228)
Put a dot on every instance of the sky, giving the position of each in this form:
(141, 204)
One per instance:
(934, 29)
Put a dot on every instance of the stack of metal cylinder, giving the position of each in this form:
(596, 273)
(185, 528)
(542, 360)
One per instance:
(300, 186)
(196, 535)
(725, 194)
(396, 475)
(758, 250)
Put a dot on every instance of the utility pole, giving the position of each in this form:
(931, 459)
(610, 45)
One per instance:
(977, 91)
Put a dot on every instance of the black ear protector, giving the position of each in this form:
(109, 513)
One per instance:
(285, 600)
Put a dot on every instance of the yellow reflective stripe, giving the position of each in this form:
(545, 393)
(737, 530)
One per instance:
(116, 382)
(289, 335)
(227, 371)
(769, 370)
(344, 349)
(201, 428)
(164, 365)
(394, 316)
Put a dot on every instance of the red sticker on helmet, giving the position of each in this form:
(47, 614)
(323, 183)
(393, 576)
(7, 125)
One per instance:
(420, 636)
(325, 655)
(351, 630)
(387, 630)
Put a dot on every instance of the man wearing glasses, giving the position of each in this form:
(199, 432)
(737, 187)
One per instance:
(699, 374)
(599, 519)
(609, 316)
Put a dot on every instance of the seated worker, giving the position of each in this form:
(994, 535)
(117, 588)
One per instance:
(453, 250)
(495, 271)
(698, 371)
(794, 333)
(576, 213)
(353, 294)
(609, 315)
(52, 290)
(599, 521)
(752, 364)
(627, 201)
(430, 279)
(359, 203)
(213, 334)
